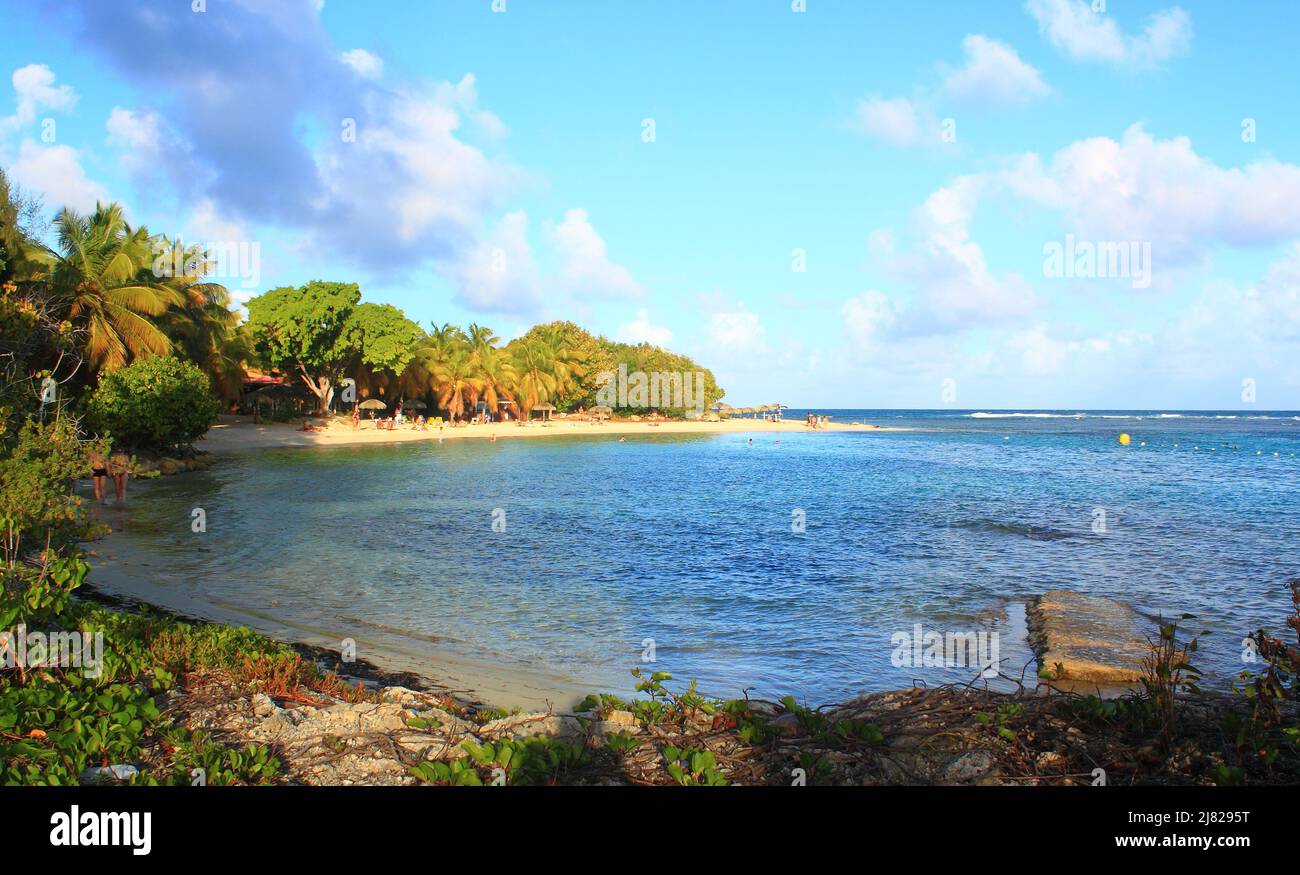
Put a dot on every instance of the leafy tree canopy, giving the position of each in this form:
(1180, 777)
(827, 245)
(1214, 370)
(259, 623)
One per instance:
(154, 403)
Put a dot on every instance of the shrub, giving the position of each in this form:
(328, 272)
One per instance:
(155, 404)
(38, 509)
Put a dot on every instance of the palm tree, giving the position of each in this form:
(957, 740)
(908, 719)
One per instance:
(203, 328)
(535, 379)
(569, 364)
(456, 382)
(447, 337)
(102, 278)
(496, 377)
(481, 337)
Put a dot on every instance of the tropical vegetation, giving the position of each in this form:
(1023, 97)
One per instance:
(153, 404)
(85, 296)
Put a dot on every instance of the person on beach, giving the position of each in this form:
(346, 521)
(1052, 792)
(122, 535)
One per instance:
(98, 474)
(356, 419)
(119, 466)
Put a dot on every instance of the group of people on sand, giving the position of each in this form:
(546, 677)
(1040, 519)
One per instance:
(117, 466)
(418, 422)
(813, 420)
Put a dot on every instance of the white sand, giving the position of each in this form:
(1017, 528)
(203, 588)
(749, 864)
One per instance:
(234, 433)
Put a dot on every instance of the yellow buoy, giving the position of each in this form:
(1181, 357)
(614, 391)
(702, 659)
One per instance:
(1124, 439)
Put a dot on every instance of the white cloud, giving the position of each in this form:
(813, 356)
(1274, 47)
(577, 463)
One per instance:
(56, 172)
(498, 273)
(896, 121)
(1278, 294)
(363, 63)
(585, 268)
(642, 330)
(1083, 34)
(994, 75)
(408, 185)
(738, 332)
(866, 317)
(1160, 191)
(464, 97)
(948, 268)
(36, 91)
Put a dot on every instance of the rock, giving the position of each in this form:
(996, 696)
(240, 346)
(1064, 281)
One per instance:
(603, 728)
(968, 767)
(620, 718)
(263, 705)
(109, 774)
(761, 708)
(1094, 639)
(1050, 761)
(169, 466)
(786, 724)
(525, 725)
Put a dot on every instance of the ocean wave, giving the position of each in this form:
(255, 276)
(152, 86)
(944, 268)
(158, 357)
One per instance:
(984, 415)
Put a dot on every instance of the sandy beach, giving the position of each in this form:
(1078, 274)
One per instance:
(234, 433)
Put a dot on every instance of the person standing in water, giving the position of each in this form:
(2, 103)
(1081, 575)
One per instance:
(119, 466)
(98, 474)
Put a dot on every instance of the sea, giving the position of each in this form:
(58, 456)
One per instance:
(800, 563)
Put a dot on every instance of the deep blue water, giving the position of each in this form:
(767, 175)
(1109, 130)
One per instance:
(687, 540)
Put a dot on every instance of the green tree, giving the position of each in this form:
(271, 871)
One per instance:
(320, 333)
(456, 382)
(303, 331)
(156, 403)
(536, 380)
(382, 337)
(20, 228)
(101, 277)
(202, 327)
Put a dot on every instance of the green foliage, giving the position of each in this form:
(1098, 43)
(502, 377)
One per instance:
(457, 773)
(156, 404)
(692, 767)
(1168, 669)
(382, 336)
(320, 332)
(538, 760)
(304, 325)
(221, 765)
(37, 471)
(602, 357)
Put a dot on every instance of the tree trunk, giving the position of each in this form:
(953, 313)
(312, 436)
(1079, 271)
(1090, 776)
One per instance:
(322, 389)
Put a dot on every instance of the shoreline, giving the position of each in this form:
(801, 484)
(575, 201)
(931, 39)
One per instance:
(116, 557)
(237, 433)
(120, 563)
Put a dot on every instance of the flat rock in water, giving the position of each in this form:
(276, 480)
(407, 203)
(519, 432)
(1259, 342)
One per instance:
(1093, 638)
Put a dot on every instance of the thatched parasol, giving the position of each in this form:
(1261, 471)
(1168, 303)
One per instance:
(372, 404)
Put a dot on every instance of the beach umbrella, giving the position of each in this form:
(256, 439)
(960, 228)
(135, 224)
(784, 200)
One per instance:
(372, 404)
(417, 404)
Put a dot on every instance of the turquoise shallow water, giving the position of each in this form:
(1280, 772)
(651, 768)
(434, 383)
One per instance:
(687, 540)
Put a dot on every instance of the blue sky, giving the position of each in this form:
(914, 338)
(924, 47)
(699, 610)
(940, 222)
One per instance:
(917, 160)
